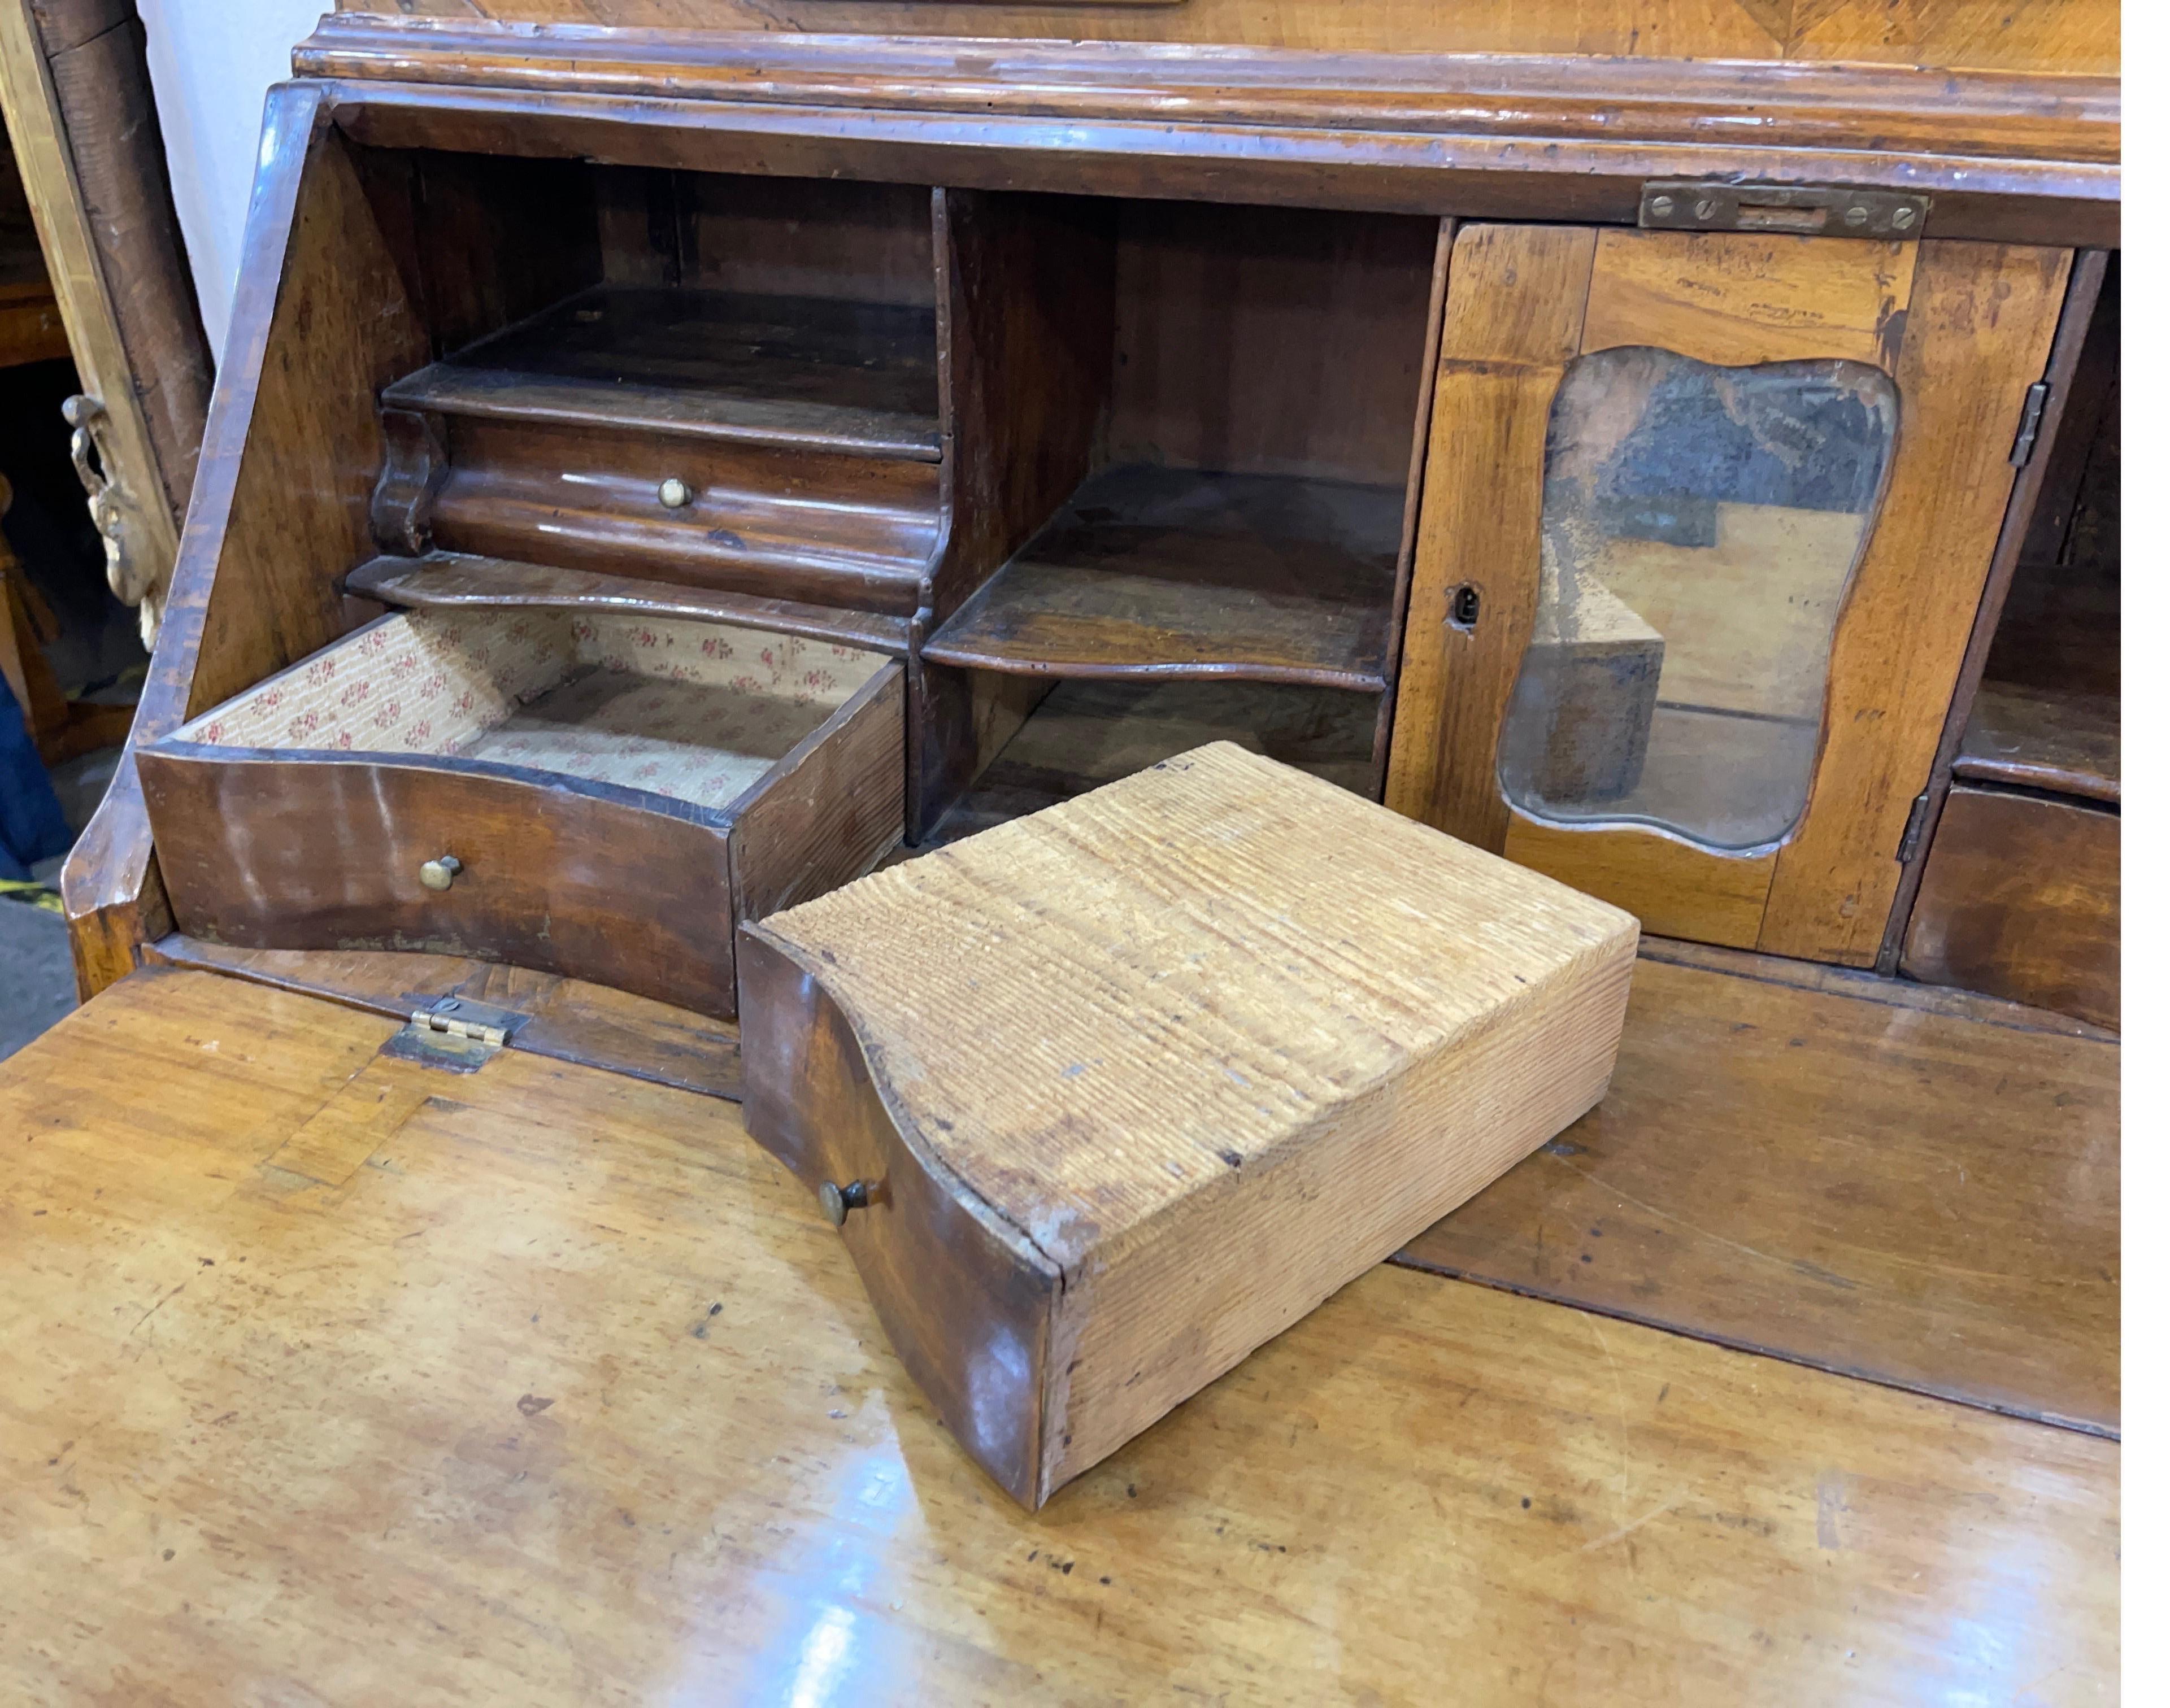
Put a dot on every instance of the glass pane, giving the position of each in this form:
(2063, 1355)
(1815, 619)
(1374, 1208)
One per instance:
(1700, 524)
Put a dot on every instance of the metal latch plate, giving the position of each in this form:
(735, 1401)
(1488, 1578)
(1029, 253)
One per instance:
(455, 1032)
(1797, 209)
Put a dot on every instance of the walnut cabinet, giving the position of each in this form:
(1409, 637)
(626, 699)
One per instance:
(848, 492)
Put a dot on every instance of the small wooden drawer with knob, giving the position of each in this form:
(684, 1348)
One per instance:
(603, 797)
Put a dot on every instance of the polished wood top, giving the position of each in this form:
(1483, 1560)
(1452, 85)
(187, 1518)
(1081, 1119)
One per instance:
(331, 1376)
(1843, 1176)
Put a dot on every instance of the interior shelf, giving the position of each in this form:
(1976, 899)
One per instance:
(1153, 572)
(446, 580)
(844, 377)
(2061, 740)
(1086, 733)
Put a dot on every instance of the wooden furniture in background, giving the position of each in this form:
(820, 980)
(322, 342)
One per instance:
(62, 729)
(1082, 1070)
(30, 326)
(84, 130)
(100, 82)
(432, 1361)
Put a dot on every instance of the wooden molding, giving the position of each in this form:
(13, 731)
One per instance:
(2002, 155)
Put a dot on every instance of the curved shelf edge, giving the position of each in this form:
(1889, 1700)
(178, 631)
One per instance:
(937, 652)
(449, 579)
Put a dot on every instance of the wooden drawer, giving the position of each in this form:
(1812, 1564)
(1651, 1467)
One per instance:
(1105, 1098)
(779, 447)
(2019, 898)
(618, 794)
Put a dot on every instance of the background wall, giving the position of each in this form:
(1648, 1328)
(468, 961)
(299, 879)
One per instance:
(210, 62)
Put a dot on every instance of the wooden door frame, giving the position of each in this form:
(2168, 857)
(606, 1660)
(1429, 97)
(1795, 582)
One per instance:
(1964, 341)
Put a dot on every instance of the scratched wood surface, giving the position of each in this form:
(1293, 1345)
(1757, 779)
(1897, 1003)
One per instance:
(1926, 1200)
(331, 1377)
(2072, 35)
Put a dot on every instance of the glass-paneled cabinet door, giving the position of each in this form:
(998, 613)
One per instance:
(1706, 520)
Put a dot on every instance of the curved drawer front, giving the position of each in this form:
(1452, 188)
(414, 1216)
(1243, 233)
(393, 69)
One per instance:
(964, 1299)
(318, 852)
(598, 798)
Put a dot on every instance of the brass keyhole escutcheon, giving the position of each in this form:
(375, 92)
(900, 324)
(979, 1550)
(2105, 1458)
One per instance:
(439, 873)
(838, 1202)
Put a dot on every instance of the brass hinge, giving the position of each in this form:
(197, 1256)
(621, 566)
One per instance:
(1917, 821)
(472, 1030)
(2030, 423)
(453, 1032)
(1800, 210)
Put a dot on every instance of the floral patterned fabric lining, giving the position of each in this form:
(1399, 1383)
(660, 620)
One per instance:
(696, 711)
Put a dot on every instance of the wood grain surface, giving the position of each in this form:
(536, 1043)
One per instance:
(1086, 734)
(2057, 638)
(1962, 328)
(321, 319)
(2033, 737)
(567, 1019)
(547, 1384)
(1978, 333)
(2021, 897)
(1151, 572)
(1504, 138)
(1216, 1007)
(322, 850)
(443, 580)
(1516, 296)
(1748, 298)
(101, 83)
(2076, 37)
(1927, 1200)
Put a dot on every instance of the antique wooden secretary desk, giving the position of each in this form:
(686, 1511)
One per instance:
(658, 473)
(1529, 455)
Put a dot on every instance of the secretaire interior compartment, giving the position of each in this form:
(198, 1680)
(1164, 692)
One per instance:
(1241, 512)
(700, 379)
(602, 797)
(2020, 888)
(1082, 734)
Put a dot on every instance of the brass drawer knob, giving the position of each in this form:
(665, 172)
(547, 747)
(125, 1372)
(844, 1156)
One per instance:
(439, 873)
(674, 494)
(838, 1202)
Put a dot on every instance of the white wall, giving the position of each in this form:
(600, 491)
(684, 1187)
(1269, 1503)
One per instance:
(210, 62)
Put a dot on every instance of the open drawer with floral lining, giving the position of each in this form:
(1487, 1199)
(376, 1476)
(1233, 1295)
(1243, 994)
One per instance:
(602, 797)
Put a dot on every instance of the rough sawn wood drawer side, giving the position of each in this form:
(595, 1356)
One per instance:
(1139, 1081)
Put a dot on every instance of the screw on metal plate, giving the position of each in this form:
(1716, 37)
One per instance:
(1798, 210)
(674, 494)
(838, 1202)
(439, 873)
